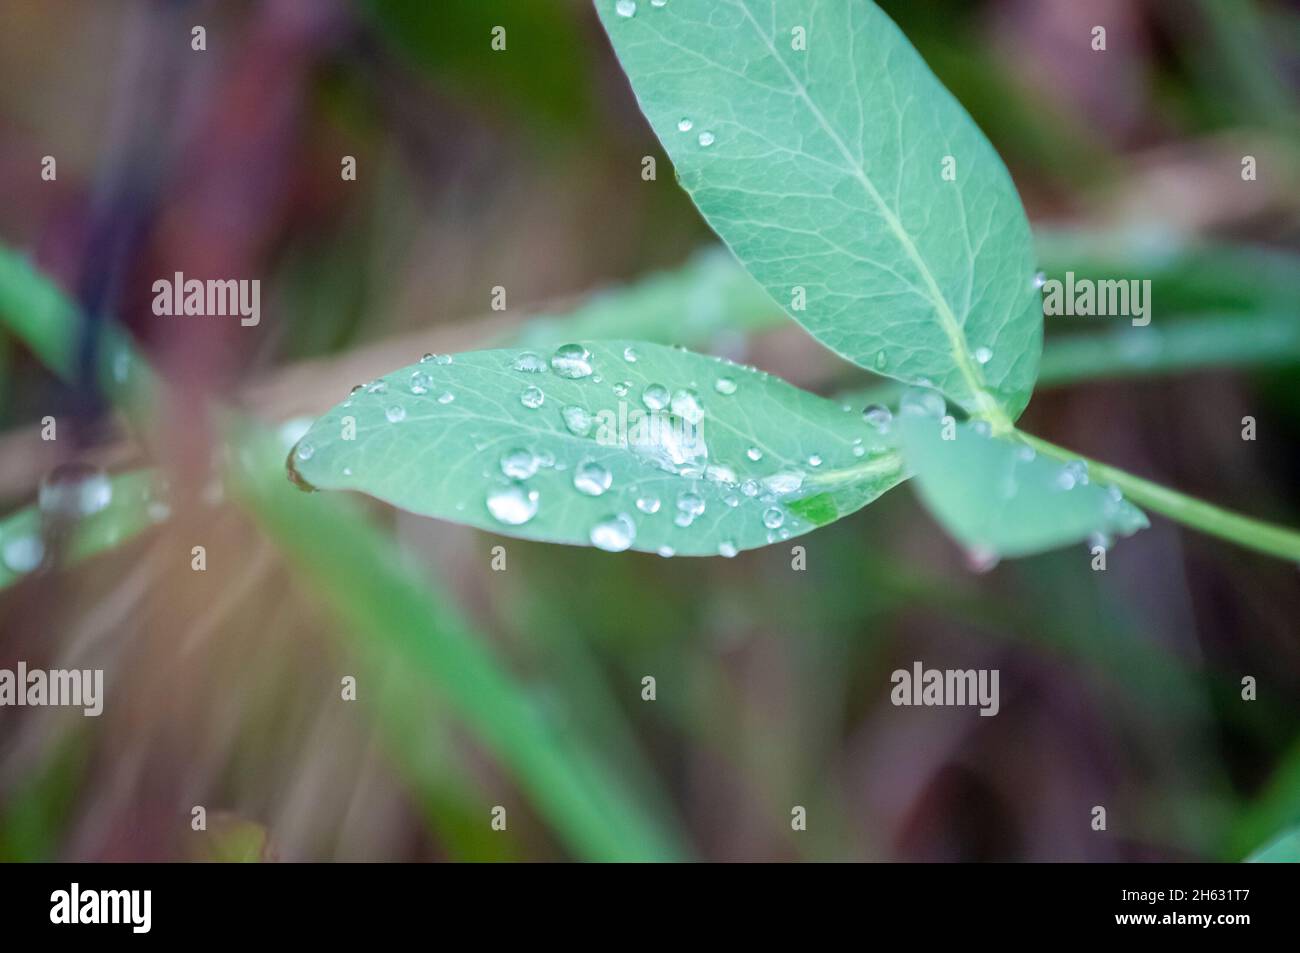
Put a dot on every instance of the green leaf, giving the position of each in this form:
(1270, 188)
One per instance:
(823, 169)
(1283, 850)
(1001, 498)
(651, 448)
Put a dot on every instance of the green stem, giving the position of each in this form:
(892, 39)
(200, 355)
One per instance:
(1197, 514)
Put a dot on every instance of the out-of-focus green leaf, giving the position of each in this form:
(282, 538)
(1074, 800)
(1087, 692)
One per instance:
(707, 297)
(1284, 850)
(849, 182)
(1000, 498)
(541, 73)
(619, 445)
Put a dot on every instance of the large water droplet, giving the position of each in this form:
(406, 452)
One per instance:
(773, 518)
(577, 420)
(655, 396)
(614, 533)
(306, 450)
(532, 397)
(625, 8)
(519, 464)
(924, 403)
(690, 503)
(513, 505)
(686, 404)
(706, 139)
(530, 363)
(23, 553)
(877, 417)
(592, 478)
(783, 482)
(630, 355)
(648, 504)
(420, 382)
(74, 490)
(572, 361)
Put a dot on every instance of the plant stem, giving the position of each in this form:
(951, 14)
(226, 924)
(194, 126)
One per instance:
(1197, 514)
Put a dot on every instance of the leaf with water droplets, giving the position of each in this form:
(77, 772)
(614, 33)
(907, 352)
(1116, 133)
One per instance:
(1000, 498)
(849, 182)
(596, 450)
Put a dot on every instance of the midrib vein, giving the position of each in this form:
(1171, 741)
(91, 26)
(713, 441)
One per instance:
(988, 407)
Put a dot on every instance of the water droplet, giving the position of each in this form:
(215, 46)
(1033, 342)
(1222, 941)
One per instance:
(690, 503)
(706, 139)
(725, 385)
(426, 358)
(520, 464)
(630, 355)
(73, 490)
(686, 404)
(783, 482)
(592, 478)
(614, 533)
(727, 549)
(731, 500)
(1025, 454)
(513, 504)
(572, 361)
(667, 552)
(815, 460)
(882, 360)
(925, 403)
(655, 396)
(446, 397)
(684, 125)
(355, 388)
(625, 8)
(622, 387)
(395, 414)
(877, 416)
(720, 473)
(749, 488)
(23, 553)
(983, 355)
(658, 3)
(532, 397)
(1074, 473)
(443, 359)
(648, 504)
(377, 387)
(530, 363)
(773, 518)
(305, 451)
(1040, 279)
(577, 420)
(754, 454)
(859, 450)
(420, 382)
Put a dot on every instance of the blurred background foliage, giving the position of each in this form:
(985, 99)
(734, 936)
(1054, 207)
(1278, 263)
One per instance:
(523, 688)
